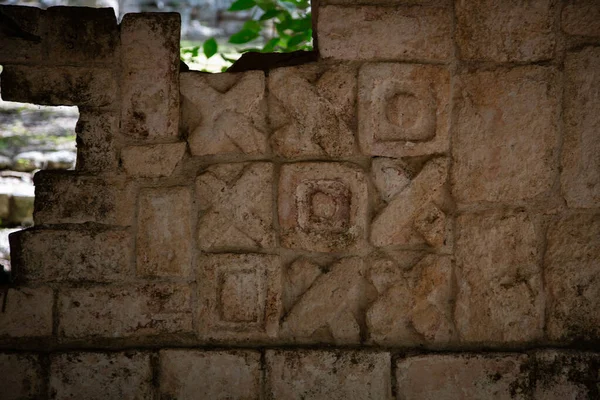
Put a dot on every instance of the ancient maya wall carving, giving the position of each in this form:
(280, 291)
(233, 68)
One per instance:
(432, 183)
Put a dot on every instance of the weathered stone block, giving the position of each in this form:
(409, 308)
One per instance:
(359, 33)
(101, 376)
(580, 177)
(21, 376)
(150, 75)
(152, 161)
(164, 232)
(581, 17)
(572, 274)
(312, 110)
(224, 113)
(566, 375)
(500, 296)
(125, 311)
(66, 197)
(24, 42)
(57, 86)
(415, 203)
(504, 31)
(404, 110)
(239, 296)
(322, 206)
(193, 374)
(327, 375)
(46, 255)
(95, 140)
(28, 312)
(81, 35)
(506, 134)
(236, 206)
(414, 301)
(493, 376)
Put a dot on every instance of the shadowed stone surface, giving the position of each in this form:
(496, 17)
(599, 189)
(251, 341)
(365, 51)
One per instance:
(21, 376)
(28, 312)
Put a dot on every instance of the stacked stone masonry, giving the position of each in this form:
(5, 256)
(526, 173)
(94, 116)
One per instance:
(414, 216)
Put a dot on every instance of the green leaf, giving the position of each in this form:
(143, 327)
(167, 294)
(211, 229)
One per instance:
(210, 47)
(296, 40)
(266, 5)
(231, 60)
(254, 26)
(301, 25)
(239, 5)
(270, 46)
(250, 49)
(269, 15)
(243, 36)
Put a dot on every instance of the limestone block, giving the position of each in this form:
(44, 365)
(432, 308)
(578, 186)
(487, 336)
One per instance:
(194, 374)
(385, 33)
(404, 109)
(22, 376)
(581, 17)
(239, 296)
(81, 35)
(500, 296)
(150, 75)
(125, 311)
(505, 31)
(415, 203)
(224, 113)
(329, 306)
(95, 140)
(28, 312)
(572, 273)
(92, 376)
(493, 376)
(49, 255)
(67, 197)
(59, 86)
(236, 206)
(414, 302)
(566, 375)
(312, 110)
(580, 177)
(164, 232)
(327, 375)
(506, 134)
(21, 209)
(24, 42)
(322, 206)
(152, 161)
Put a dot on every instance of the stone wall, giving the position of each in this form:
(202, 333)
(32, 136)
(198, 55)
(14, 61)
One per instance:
(414, 216)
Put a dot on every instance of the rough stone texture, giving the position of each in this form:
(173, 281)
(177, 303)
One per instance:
(122, 311)
(327, 375)
(509, 30)
(239, 296)
(505, 141)
(91, 255)
(26, 47)
(572, 274)
(21, 376)
(152, 161)
(500, 296)
(101, 376)
(432, 377)
(322, 206)
(225, 113)
(415, 203)
(228, 219)
(404, 109)
(164, 232)
(312, 111)
(581, 17)
(28, 312)
(150, 75)
(57, 86)
(95, 140)
(385, 33)
(580, 178)
(193, 374)
(567, 375)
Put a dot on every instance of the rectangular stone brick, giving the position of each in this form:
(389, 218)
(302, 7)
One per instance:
(194, 374)
(506, 134)
(28, 312)
(152, 161)
(48, 255)
(25, 44)
(580, 177)
(58, 86)
(92, 376)
(581, 17)
(96, 131)
(125, 311)
(327, 375)
(22, 376)
(493, 376)
(385, 33)
(164, 232)
(566, 375)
